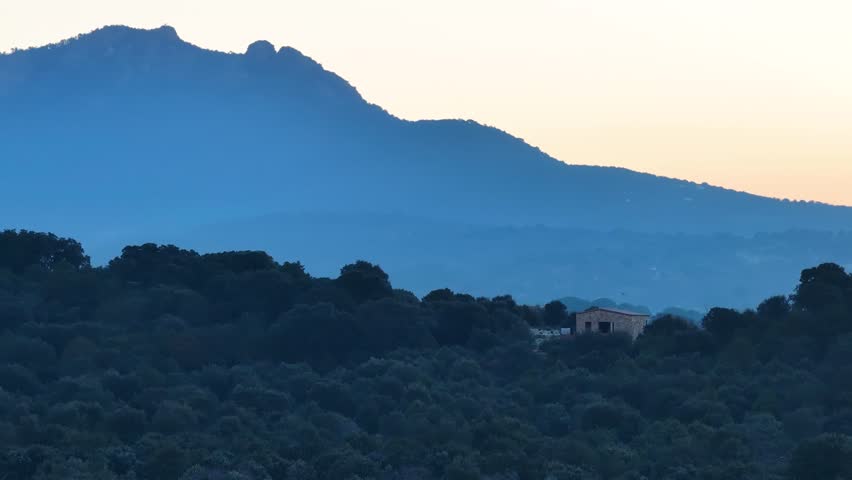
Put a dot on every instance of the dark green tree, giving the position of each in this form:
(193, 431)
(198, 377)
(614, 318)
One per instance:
(22, 249)
(555, 313)
(826, 457)
(365, 281)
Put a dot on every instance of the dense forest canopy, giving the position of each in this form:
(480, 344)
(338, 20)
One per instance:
(167, 364)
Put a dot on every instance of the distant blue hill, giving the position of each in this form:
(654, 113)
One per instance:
(575, 304)
(122, 135)
(535, 264)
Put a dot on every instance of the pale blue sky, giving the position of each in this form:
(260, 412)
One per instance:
(751, 94)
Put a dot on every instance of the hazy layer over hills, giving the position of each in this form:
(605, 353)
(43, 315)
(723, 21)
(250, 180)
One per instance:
(122, 134)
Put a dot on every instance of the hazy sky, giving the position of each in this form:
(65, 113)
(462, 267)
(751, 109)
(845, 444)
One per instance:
(750, 94)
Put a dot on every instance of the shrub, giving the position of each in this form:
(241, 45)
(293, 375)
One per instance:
(127, 423)
(120, 459)
(173, 417)
(826, 457)
(18, 379)
(123, 387)
(25, 351)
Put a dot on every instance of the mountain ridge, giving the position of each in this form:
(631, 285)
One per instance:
(127, 135)
(167, 38)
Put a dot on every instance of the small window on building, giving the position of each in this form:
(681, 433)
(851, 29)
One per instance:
(604, 327)
(588, 326)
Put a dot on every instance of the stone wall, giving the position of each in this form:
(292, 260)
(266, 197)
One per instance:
(631, 325)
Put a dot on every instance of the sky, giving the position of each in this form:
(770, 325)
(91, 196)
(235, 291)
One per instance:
(754, 95)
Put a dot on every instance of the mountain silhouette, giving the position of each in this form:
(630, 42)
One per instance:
(129, 134)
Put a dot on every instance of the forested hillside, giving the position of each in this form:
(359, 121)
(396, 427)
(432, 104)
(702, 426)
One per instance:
(167, 364)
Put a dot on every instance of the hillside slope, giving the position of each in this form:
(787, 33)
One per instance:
(173, 134)
(125, 135)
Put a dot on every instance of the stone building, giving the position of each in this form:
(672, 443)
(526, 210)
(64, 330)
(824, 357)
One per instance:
(608, 320)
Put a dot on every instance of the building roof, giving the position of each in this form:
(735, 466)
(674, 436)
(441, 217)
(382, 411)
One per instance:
(616, 310)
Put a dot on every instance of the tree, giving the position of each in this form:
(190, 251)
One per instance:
(392, 324)
(365, 281)
(20, 464)
(668, 325)
(774, 308)
(456, 320)
(826, 457)
(167, 461)
(239, 262)
(152, 264)
(127, 423)
(723, 323)
(439, 295)
(319, 334)
(823, 286)
(22, 249)
(555, 313)
(619, 418)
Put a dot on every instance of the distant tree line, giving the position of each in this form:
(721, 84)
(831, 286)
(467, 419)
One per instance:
(167, 364)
